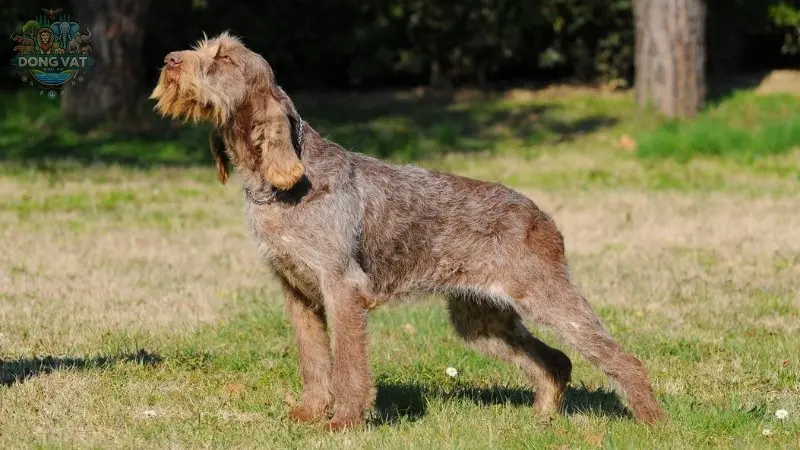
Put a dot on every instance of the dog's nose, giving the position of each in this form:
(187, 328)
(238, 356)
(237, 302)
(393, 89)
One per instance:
(172, 59)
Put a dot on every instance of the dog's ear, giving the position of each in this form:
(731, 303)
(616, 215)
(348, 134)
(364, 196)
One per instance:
(280, 165)
(217, 146)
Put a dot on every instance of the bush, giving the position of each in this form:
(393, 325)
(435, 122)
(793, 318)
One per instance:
(380, 43)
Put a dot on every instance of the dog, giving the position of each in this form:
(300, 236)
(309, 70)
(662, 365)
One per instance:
(345, 233)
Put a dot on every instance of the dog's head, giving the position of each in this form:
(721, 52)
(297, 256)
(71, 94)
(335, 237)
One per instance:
(223, 82)
(210, 81)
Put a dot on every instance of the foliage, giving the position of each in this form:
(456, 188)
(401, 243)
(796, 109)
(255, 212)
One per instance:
(30, 27)
(595, 37)
(353, 43)
(787, 17)
(412, 42)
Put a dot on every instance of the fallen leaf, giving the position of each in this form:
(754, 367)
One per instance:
(408, 328)
(626, 143)
(235, 388)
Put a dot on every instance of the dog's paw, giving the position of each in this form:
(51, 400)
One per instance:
(304, 414)
(337, 424)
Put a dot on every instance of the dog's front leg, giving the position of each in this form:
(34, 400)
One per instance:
(308, 321)
(352, 386)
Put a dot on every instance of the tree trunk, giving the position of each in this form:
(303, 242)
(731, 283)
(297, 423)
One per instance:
(670, 55)
(114, 87)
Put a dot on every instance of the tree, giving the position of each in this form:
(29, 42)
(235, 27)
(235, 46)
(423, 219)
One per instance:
(788, 18)
(29, 29)
(670, 55)
(114, 88)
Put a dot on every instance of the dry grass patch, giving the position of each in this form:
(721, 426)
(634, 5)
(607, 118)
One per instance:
(780, 82)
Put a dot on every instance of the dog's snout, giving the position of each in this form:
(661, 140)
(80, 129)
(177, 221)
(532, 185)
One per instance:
(172, 59)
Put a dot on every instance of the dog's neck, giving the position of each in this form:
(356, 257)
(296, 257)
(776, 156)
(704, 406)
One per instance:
(265, 193)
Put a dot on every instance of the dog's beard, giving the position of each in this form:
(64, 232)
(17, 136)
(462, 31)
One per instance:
(181, 96)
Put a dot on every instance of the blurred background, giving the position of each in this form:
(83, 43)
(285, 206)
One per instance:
(441, 48)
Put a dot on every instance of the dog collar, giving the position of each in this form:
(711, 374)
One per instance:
(301, 126)
(248, 194)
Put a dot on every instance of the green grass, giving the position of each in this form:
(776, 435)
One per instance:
(32, 131)
(135, 312)
(745, 127)
(560, 138)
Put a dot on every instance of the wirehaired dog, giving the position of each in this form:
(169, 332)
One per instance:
(345, 233)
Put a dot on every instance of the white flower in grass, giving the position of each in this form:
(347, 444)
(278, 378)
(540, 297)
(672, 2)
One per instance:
(781, 414)
(451, 371)
(766, 432)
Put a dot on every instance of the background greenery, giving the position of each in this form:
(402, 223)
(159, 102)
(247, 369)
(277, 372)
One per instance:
(356, 43)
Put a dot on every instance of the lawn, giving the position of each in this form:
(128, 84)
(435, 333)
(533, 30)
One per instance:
(134, 311)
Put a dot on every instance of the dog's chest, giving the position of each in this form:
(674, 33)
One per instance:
(282, 249)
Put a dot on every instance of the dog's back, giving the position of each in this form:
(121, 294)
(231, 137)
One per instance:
(427, 230)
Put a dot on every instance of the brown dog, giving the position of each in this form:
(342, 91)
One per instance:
(345, 233)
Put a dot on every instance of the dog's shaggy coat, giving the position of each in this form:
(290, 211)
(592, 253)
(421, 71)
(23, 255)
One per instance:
(345, 233)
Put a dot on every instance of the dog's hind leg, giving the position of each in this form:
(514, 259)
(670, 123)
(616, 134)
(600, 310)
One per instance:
(538, 282)
(499, 332)
(559, 305)
(308, 321)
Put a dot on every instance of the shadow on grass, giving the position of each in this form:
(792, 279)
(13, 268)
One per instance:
(399, 126)
(20, 370)
(721, 87)
(410, 127)
(408, 402)
(32, 132)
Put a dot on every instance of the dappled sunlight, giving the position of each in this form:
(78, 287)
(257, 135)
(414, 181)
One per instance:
(429, 126)
(393, 125)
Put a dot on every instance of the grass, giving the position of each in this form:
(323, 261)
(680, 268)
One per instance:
(746, 126)
(134, 311)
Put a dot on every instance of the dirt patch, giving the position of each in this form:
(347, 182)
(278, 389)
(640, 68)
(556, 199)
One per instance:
(781, 82)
